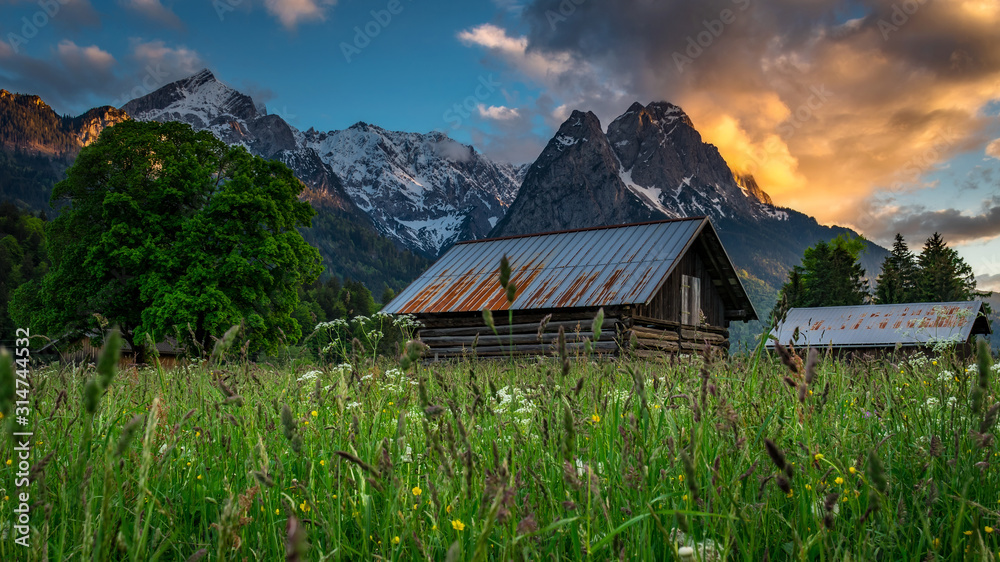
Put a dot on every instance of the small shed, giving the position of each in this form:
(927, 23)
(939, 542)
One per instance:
(664, 286)
(883, 327)
(80, 349)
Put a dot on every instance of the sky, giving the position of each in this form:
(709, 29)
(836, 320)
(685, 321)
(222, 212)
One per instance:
(881, 115)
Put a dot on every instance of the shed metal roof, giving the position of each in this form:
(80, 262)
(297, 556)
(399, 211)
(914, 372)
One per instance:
(593, 267)
(882, 325)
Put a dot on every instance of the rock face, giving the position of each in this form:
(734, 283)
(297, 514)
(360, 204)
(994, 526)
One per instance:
(651, 164)
(426, 191)
(30, 125)
(575, 182)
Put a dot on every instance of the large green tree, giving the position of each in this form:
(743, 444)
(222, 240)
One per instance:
(167, 227)
(944, 276)
(898, 281)
(830, 275)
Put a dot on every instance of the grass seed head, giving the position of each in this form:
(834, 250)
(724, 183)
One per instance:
(775, 453)
(128, 433)
(597, 324)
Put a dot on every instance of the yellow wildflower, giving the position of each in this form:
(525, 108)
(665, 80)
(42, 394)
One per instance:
(808, 487)
(277, 511)
(968, 533)
(988, 529)
(818, 456)
(9, 462)
(322, 462)
(314, 413)
(197, 434)
(936, 543)
(395, 540)
(852, 470)
(416, 491)
(839, 480)
(447, 509)
(680, 478)
(595, 418)
(304, 506)
(684, 497)
(457, 525)
(199, 477)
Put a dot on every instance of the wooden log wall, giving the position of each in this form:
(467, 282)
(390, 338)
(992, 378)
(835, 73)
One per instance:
(447, 339)
(649, 336)
(620, 335)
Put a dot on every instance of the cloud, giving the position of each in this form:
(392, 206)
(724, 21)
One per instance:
(155, 11)
(291, 12)
(70, 14)
(498, 112)
(181, 61)
(993, 149)
(64, 78)
(152, 65)
(954, 225)
(73, 78)
(988, 282)
(825, 112)
(93, 57)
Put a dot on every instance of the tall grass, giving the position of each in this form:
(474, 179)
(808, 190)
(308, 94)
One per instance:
(746, 459)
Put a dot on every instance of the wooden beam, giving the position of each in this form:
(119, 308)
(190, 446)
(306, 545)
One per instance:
(568, 325)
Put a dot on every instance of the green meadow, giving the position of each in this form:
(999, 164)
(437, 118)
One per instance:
(752, 457)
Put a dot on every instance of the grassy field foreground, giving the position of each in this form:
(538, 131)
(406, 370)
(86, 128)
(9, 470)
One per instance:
(565, 460)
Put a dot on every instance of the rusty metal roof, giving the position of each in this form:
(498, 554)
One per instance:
(576, 268)
(881, 325)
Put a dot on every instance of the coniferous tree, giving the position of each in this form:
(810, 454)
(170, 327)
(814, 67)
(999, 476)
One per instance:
(898, 281)
(830, 275)
(944, 276)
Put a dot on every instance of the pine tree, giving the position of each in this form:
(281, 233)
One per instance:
(898, 281)
(944, 276)
(830, 275)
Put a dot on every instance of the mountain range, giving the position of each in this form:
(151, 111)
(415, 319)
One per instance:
(388, 202)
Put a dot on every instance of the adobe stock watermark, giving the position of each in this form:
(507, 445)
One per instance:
(714, 28)
(819, 96)
(901, 12)
(364, 34)
(563, 12)
(223, 7)
(47, 10)
(460, 111)
(154, 78)
(909, 174)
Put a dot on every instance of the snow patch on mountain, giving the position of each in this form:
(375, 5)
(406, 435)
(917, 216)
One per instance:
(425, 191)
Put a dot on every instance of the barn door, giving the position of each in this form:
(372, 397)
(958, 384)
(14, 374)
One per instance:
(690, 300)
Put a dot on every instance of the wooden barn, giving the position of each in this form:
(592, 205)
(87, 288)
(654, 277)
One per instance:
(882, 328)
(665, 286)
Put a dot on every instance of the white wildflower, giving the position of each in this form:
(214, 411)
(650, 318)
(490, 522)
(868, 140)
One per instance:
(310, 376)
(931, 402)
